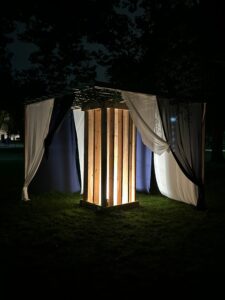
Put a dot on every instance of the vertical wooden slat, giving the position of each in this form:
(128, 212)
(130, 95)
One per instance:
(132, 162)
(115, 173)
(120, 157)
(110, 154)
(125, 156)
(103, 156)
(133, 191)
(97, 156)
(91, 127)
(85, 194)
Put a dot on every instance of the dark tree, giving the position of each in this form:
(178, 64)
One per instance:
(63, 60)
(214, 72)
(169, 47)
(6, 26)
(155, 46)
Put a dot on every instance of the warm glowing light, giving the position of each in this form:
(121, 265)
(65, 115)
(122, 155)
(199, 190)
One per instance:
(119, 138)
(115, 158)
(90, 166)
(125, 186)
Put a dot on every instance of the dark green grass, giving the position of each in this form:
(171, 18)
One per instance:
(11, 172)
(51, 243)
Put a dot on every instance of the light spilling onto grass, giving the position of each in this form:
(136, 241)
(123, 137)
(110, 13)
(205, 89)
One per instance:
(110, 139)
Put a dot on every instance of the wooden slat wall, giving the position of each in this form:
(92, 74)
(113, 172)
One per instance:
(132, 162)
(91, 128)
(86, 129)
(110, 155)
(125, 137)
(104, 157)
(97, 156)
(120, 157)
(115, 173)
(133, 192)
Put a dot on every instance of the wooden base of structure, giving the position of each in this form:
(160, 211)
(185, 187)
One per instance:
(96, 207)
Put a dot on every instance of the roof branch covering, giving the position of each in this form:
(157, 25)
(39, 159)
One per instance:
(101, 95)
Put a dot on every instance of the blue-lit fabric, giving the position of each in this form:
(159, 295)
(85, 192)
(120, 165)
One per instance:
(61, 108)
(143, 166)
(59, 170)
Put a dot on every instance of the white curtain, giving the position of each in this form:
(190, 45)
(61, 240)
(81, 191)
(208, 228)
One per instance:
(79, 125)
(37, 120)
(171, 180)
(145, 114)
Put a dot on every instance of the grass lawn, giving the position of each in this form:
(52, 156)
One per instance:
(51, 243)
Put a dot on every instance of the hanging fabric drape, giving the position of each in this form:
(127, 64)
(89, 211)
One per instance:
(61, 107)
(145, 114)
(171, 180)
(183, 125)
(79, 125)
(59, 168)
(143, 166)
(37, 120)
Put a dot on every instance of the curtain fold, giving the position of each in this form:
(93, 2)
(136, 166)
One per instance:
(183, 125)
(61, 106)
(145, 114)
(78, 115)
(37, 120)
(58, 171)
(172, 182)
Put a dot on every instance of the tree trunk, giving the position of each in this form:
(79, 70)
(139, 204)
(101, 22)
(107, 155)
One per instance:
(217, 144)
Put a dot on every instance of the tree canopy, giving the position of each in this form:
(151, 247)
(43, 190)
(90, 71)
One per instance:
(168, 47)
(140, 43)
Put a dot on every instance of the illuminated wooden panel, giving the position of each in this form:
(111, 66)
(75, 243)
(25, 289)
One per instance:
(125, 178)
(115, 171)
(109, 157)
(132, 161)
(90, 148)
(120, 156)
(85, 194)
(133, 172)
(97, 156)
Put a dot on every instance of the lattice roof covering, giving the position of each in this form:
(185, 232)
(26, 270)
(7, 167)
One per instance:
(88, 97)
(93, 97)
(103, 94)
